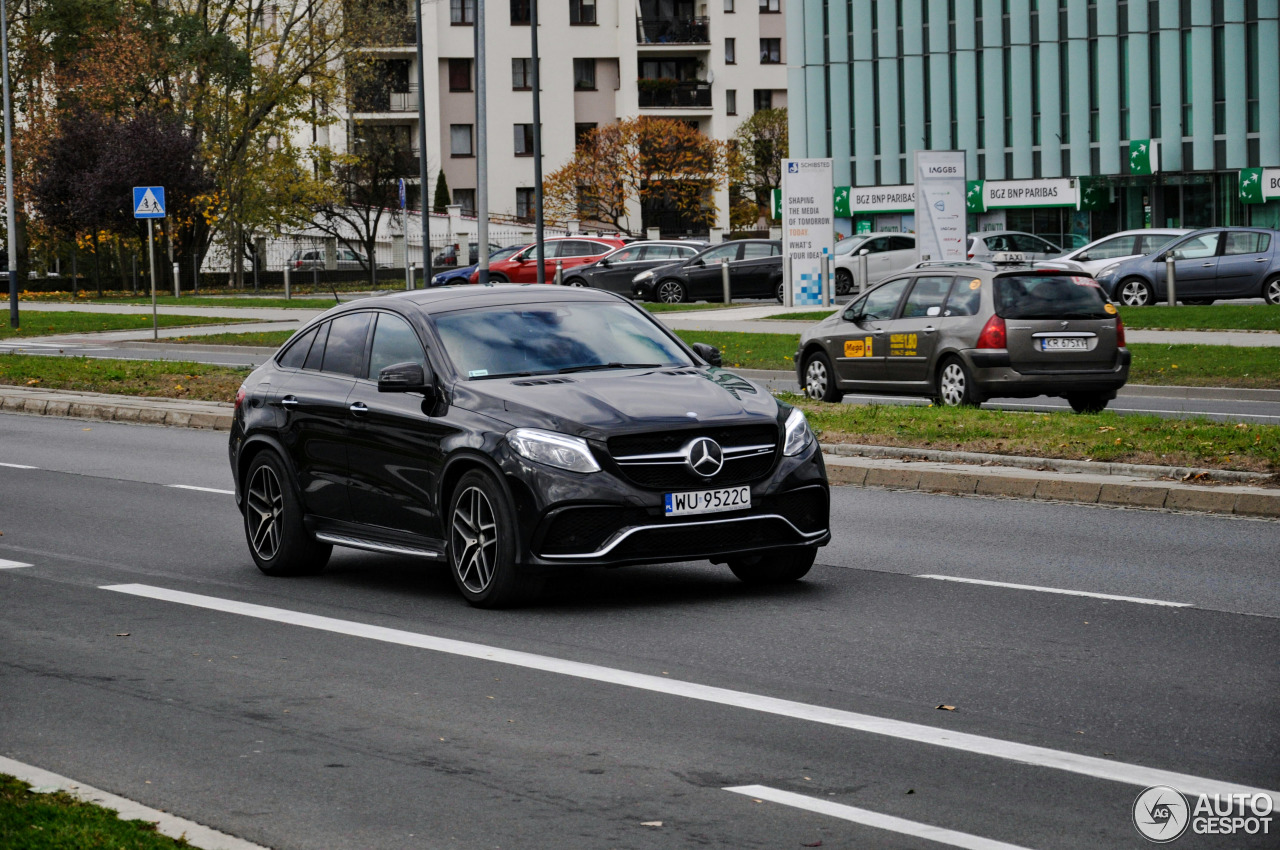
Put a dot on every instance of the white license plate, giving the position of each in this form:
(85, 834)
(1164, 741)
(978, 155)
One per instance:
(1064, 343)
(708, 501)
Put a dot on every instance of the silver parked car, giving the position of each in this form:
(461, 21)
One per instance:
(1209, 265)
(1125, 245)
(984, 246)
(886, 253)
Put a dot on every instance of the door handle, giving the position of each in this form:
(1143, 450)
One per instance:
(1207, 265)
(289, 402)
(359, 408)
(1262, 260)
(929, 330)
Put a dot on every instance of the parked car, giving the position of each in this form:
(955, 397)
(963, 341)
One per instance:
(615, 270)
(569, 251)
(965, 332)
(886, 253)
(308, 259)
(755, 271)
(984, 246)
(511, 432)
(1103, 252)
(1210, 264)
(448, 255)
(463, 275)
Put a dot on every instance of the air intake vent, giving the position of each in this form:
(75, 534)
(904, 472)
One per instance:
(537, 382)
(693, 372)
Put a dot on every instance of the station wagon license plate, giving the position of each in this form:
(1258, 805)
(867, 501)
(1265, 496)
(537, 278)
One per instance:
(708, 501)
(1064, 343)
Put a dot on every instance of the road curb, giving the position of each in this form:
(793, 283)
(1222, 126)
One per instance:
(104, 407)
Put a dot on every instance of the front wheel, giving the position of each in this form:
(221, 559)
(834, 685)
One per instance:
(671, 291)
(778, 567)
(278, 541)
(820, 379)
(482, 545)
(1271, 290)
(844, 282)
(576, 281)
(781, 294)
(1135, 292)
(955, 385)
(1088, 402)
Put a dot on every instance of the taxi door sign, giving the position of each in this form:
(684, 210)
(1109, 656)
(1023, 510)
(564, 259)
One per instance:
(857, 347)
(903, 345)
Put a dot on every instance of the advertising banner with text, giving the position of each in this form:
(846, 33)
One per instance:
(940, 205)
(808, 226)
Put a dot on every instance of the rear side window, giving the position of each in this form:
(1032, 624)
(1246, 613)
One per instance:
(928, 292)
(1049, 297)
(296, 354)
(901, 243)
(965, 298)
(393, 342)
(344, 351)
(1121, 246)
(756, 250)
(315, 358)
(661, 252)
(1246, 243)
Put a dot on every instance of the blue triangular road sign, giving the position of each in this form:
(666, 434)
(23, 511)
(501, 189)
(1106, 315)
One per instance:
(148, 202)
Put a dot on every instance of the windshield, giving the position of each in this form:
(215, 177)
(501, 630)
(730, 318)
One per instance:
(844, 246)
(540, 339)
(503, 253)
(1049, 297)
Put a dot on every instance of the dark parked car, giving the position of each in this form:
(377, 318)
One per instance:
(965, 332)
(755, 271)
(615, 270)
(512, 431)
(463, 275)
(1210, 264)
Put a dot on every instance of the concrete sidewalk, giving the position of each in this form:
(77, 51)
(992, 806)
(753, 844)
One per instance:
(1238, 494)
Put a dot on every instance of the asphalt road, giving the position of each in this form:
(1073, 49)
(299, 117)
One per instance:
(632, 697)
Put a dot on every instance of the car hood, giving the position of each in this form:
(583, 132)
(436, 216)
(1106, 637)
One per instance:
(599, 405)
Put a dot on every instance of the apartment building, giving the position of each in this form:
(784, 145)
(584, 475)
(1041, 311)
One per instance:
(709, 63)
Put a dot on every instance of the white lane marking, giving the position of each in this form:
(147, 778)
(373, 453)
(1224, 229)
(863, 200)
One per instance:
(11, 565)
(1115, 771)
(166, 824)
(18, 466)
(1107, 596)
(867, 817)
(201, 489)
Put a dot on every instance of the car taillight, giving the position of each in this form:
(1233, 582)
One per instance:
(971, 255)
(239, 396)
(1119, 332)
(993, 334)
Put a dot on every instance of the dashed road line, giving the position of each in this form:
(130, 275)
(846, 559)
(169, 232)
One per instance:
(1108, 596)
(1132, 774)
(11, 565)
(18, 466)
(866, 817)
(202, 489)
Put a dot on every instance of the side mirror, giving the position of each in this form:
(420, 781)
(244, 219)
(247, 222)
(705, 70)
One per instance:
(405, 377)
(697, 262)
(605, 262)
(864, 252)
(933, 311)
(707, 352)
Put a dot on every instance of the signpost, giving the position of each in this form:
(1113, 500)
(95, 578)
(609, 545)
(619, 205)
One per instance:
(808, 221)
(148, 203)
(940, 206)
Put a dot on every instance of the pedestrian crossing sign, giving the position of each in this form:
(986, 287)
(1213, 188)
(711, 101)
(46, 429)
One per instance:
(148, 202)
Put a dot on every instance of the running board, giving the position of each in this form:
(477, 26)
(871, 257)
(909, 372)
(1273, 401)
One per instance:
(374, 546)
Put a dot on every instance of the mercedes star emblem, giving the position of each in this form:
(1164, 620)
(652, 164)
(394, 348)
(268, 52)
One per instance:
(704, 456)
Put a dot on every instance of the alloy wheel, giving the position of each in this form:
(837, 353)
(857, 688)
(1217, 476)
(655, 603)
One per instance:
(815, 379)
(1272, 293)
(951, 385)
(1134, 293)
(670, 292)
(265, 509)
(474, 540)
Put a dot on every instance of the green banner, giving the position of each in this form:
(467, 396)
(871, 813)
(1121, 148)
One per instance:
(1143, 157)
(974, 200)
(1251, 186)
(775, 204)
(1094, 194)
(842, 202)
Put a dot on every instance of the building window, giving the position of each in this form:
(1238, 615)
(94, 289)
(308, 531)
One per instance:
(770, 51)
(763, 99)
(1251, 79)
(462, 12)
(731, 101)
(728, 6)
(521, 74)
(730, 51)
(519, 12)
(582, 12)
(465, 198)
(459, 75)
(524, 203)
(584, 74)
(580, 133)
(524, 139)
(769, 7)
(460, 140)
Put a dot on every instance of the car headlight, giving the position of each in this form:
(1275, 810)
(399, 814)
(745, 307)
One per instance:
(1109, 271)
(558, 450)
(642, 277)
(798, 435)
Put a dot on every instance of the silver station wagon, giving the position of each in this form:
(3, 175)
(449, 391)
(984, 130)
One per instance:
(961, 333)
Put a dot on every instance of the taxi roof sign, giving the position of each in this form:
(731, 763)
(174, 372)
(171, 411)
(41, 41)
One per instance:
(148, 202)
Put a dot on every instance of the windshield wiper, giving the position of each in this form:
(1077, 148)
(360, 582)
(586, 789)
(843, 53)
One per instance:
(502, 375)
(597, 366)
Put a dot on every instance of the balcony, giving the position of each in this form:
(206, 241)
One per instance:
(672, 94)
(385, 101)
(395, 34)
(663, 31)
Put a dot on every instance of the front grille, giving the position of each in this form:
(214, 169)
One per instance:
(660, 442)
(634, 455)
(579, 530)
(806, 508)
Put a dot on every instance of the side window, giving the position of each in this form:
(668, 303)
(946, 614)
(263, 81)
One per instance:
(344, 352)
(901, 243)
(296, 354)
(626, 255)
(394, 341)
(1241, 243)
(883, 300)
(855, 309)
(1028, 244)
(756, 250)
(722, 252)
(1264, 243)
(585, 249)
(1121, 246)
(315, 357)
(875, 246)
(998, 243)
(1199, 247)
(928, 292)
(661, 252)
(965, 298)
(1149, 244)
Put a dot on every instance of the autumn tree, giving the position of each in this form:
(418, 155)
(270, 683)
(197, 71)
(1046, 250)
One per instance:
(640, 162)
(760, 146)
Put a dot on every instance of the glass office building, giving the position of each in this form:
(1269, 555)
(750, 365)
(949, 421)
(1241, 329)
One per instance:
(1077, 118)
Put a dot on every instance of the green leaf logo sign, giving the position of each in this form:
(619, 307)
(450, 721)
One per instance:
(1251, 186)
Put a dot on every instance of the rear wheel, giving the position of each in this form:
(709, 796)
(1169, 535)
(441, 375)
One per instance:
(278, 541)
(1271, 290)
(820, 378)
(1135, 292)
(955, 385)
(575, 281)
(482, 545)
(844, 282)
(778, 567)
(498, 278)
(1088, 402)
(781, 294)
(671, 291)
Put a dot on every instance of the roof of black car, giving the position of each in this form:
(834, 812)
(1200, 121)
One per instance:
(477, 295)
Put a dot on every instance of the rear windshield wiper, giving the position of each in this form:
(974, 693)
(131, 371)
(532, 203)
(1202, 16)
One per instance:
(597, 366)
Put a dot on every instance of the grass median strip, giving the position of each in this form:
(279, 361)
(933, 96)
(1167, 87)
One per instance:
(34, 323)
(156, 378)
(55, 821)
(307, 303)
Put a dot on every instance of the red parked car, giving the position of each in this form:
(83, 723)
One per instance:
(569, 251)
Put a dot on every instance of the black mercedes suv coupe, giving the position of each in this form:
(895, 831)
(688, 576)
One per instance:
(512, 431)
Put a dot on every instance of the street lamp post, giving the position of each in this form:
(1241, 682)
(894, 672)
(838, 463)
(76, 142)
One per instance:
(422, 155)
(537, 145)
(12, 240)
(482, 149)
